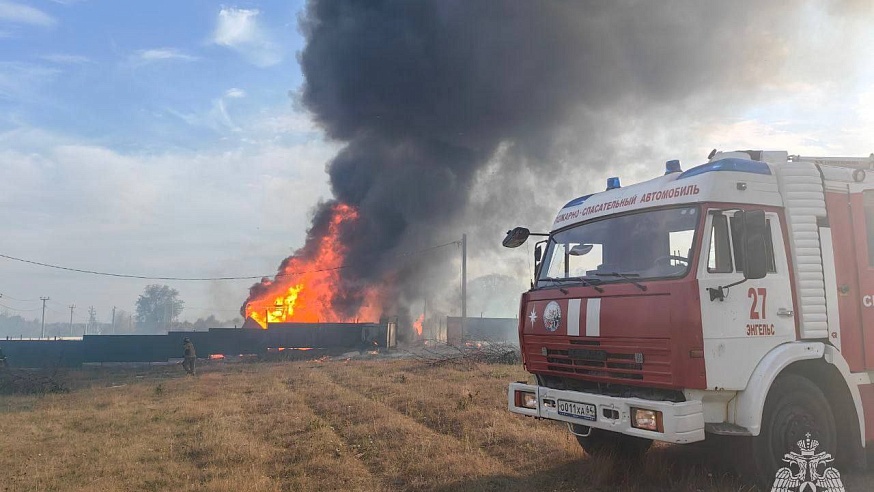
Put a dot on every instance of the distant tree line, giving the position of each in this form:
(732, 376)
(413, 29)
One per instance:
(157, 311)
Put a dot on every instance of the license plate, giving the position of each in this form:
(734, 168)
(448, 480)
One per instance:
(585, 411)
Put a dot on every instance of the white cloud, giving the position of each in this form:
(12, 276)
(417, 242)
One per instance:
(239, 30)
(21, 81)
(236, 26)
(221, 111)
(817, 120)
(17, 13)
(287, 122)
(865, 107)
(247, 124)
(217, 118)
(757, 134)
(173, 213)
(161, 54)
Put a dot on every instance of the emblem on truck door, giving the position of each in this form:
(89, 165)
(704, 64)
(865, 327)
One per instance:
(552, 316)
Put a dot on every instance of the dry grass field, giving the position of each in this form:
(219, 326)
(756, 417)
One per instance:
(321, 426)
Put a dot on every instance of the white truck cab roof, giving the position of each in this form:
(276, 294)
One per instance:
(727, 178)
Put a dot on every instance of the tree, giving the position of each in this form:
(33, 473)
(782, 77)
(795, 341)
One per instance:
(157, 306)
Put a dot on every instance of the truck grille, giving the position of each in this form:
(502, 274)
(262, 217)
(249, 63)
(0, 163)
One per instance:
(628, 360)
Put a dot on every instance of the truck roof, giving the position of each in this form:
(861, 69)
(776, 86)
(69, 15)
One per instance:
(728, 179)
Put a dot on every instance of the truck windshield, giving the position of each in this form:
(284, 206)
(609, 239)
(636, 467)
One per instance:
(625, 248)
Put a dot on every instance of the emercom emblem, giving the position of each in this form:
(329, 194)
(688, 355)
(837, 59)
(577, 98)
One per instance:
(808, 471)
(552, 316)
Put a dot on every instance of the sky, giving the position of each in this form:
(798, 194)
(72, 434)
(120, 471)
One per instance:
(154, 139)
(164, 139)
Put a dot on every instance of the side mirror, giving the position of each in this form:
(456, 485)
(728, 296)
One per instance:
(516, 237)
(538, 257)
(754, 229)
(581, 249)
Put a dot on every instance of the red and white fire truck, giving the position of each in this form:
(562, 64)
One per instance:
(735, 298)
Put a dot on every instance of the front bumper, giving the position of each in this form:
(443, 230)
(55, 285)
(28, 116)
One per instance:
(683, 422)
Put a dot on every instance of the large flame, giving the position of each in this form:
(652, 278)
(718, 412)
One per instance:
(304, 289)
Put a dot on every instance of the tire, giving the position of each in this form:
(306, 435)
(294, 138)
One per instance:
(794, 407)
(611, 444)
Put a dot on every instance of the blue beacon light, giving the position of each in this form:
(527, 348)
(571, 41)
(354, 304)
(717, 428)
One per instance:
(673, 167)
(613, 183)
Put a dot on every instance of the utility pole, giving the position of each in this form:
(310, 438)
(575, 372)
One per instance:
(463, 283)
(43, 332)
(113, 320)
(72, 306)
(92, 314)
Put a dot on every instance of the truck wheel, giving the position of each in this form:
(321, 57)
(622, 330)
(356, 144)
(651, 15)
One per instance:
(794, 407)
(605, 443)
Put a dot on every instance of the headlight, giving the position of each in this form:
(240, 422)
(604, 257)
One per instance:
(646, 419)
(526, 399)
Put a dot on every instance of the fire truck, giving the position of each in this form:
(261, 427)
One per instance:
(735, 298)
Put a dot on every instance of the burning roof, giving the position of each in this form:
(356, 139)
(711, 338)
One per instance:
(307, 286)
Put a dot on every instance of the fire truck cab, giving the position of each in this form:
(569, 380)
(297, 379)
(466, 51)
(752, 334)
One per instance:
(734, 298)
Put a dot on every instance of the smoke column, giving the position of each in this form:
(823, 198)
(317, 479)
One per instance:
(425, 94)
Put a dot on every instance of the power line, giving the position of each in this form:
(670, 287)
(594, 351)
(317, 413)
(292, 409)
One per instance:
(18, 310)
(49, 307)
(210, 279)
(59, 303)
(6, 296)
(79, 318)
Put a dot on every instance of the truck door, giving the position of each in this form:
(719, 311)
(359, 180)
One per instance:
(751, 317)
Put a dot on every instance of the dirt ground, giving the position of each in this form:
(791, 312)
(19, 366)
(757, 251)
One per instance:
(319, 425)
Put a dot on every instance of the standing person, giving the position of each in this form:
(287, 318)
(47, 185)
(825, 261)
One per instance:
(190, 355)
(3, 362)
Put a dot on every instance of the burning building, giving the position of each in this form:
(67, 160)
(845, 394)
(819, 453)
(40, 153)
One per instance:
(308, 286)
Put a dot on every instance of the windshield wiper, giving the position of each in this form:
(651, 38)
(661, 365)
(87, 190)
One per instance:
(625, 276)
(586, 282)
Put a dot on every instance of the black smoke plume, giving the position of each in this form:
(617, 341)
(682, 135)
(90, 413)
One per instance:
(426, 93)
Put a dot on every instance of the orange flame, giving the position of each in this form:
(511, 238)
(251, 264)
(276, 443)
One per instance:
(305, 288)
(418, 324)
